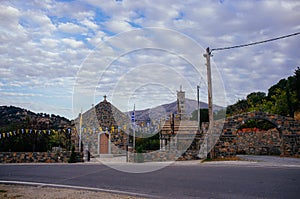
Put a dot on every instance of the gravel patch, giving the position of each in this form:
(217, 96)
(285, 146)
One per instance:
(33, 192)
(272, 160)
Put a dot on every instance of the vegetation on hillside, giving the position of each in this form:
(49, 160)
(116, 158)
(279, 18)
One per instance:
(283, 98)
(23, 130)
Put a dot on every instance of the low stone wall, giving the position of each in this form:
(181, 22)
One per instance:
(35, 157)
(291, 145)
(225, 147)
(161, 156)
(259, 142)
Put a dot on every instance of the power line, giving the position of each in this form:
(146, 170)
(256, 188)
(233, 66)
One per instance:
(255, 43)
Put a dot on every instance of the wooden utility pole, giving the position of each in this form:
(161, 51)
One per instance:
(207, 55)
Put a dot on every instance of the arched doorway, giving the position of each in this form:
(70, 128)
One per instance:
(104, 143)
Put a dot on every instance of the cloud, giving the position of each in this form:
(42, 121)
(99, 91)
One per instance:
(71, 28)
(72, 43)
(90, 24)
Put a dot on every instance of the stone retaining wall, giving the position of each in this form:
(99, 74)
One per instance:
(225, 147)
(38, 157)
(161, 156)
(259, 142)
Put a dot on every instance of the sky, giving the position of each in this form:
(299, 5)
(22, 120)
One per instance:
(62, 57)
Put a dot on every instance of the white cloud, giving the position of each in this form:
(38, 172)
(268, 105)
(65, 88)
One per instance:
(72, 42)
(49, 43)
(71, 28)
(90, 24)
(37, 22)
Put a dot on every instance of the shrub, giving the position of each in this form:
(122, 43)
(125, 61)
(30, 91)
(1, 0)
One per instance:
(72, 158)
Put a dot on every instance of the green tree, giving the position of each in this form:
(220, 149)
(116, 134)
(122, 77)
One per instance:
(203, 115)
(240, 106)
(254, 101)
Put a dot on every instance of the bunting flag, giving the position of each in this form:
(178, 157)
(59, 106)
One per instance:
(45, 131)
(35, 131)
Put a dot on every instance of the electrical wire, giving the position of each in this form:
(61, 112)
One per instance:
(255, 43)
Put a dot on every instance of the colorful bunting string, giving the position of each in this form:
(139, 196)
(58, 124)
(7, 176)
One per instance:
(35, 131)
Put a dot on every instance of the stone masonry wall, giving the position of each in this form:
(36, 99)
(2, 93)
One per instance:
(161, 156)
(258, 142)
(225, 147)
(38, 157)
(283, 140)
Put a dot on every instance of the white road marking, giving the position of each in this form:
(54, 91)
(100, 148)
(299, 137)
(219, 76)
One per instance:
(38, 184)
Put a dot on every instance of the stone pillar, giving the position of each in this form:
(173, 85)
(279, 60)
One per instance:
(171, 144)
(109, 143)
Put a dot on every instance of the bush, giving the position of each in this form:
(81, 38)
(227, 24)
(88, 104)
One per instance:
(72, 158)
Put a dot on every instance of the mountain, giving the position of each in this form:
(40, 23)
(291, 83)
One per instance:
(167, 109)
(12, 118)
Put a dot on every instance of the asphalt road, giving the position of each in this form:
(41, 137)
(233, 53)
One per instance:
(177, 181)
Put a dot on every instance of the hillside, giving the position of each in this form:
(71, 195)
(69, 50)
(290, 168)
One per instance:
(24, 130)
(13, 118)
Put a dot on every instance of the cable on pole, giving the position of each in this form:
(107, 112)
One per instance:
(255, 43)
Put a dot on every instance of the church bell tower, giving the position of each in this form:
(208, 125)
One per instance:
(181, 104)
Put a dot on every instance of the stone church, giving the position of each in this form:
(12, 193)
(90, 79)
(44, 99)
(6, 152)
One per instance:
(101, 130)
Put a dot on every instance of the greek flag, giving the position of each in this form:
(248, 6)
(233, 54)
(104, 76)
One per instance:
(132, 117)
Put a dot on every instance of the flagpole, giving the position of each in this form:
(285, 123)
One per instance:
(133, 121)
(80, 130)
